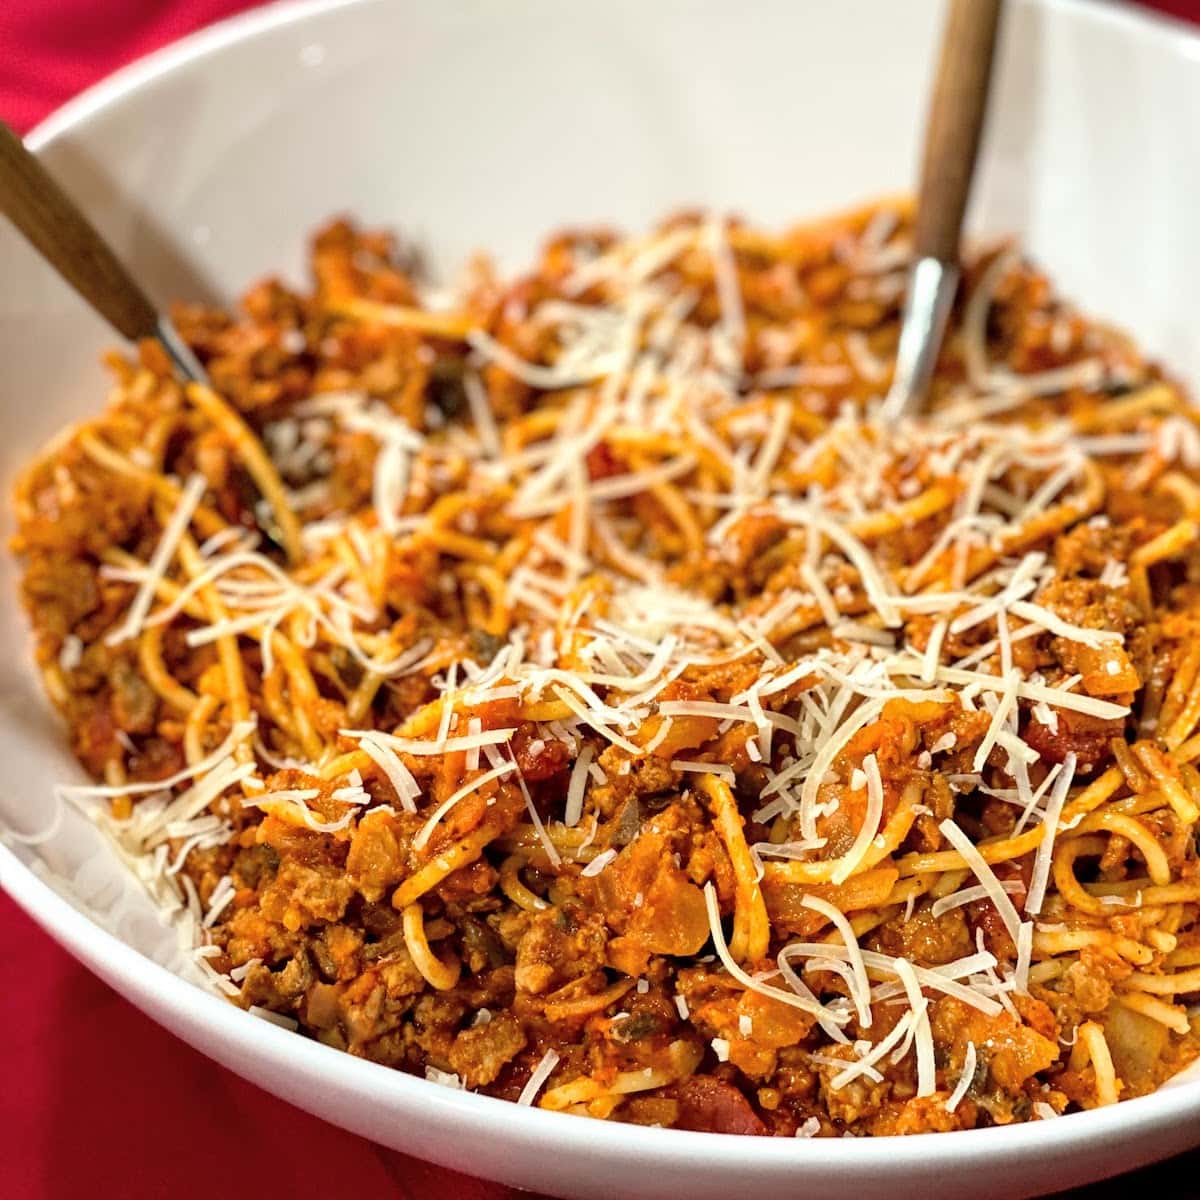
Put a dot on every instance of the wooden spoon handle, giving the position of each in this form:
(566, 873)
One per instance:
(954, 126)
(44, 213)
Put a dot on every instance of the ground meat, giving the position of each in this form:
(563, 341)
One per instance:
(377, 1001)
(926, 939)
(922, 1114)
(134, 701)
(94, 733)
(301, 895)
(1091, 979)
(375, 862)
(858, 1100)
(63, 590)
(479, 1053)
(278, 989)
(1014, 1050)
(254, 865)
(559, 945)
(1088, 549)
(538, 758)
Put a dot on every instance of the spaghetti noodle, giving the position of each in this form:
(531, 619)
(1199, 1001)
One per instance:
(570, 691)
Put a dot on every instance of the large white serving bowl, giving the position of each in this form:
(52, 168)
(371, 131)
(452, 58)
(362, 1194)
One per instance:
(482, 124)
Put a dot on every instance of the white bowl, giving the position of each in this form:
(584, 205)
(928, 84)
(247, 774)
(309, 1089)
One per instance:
(475, 124)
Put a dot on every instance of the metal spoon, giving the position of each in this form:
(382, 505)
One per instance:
(952, 135)
(46, 215)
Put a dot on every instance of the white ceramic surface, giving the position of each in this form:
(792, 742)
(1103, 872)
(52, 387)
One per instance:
(473, 123)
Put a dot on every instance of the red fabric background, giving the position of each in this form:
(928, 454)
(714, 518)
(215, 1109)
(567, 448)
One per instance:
(96, 1099)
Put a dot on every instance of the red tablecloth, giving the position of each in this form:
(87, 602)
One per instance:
(85, 1075)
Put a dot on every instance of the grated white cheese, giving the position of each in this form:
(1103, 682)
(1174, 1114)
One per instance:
(984, 873)
(809, 1128)
(472, 785)
(445, 1078)
(397, 774)
(870, 826)
(70, 654)
(1042, 859)
(806, 1003)
(537, 1079)
(160, 560)
(599, 862)
(969, 895)
(860, 985)
(919, 1025)
(575, 788)
(970, 1060)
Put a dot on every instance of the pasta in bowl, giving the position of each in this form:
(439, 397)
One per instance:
(568, 689)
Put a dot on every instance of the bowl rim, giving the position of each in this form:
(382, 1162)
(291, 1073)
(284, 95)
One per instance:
(1127, 16)
(184, 1006)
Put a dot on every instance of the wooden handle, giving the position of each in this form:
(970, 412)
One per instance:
(44, 213)
(954, 125)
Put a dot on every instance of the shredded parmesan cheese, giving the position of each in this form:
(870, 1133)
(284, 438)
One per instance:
(537, 1079)
(965, 1079)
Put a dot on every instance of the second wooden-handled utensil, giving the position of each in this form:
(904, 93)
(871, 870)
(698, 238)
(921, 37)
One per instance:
(952, 134)
(53, 224)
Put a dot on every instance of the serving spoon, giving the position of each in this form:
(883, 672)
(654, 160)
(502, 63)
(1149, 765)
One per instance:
(952, 134)
(35, 203)
(67, 240)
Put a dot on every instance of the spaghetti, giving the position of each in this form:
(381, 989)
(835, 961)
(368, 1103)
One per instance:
(570, 691)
